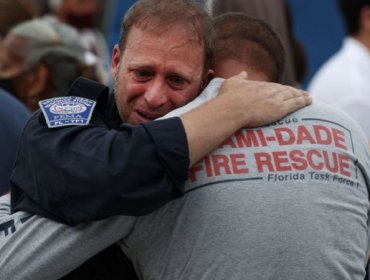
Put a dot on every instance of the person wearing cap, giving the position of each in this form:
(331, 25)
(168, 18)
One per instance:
(84, 16)
(40, 60)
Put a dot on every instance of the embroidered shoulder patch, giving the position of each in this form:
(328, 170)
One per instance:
(67, 111)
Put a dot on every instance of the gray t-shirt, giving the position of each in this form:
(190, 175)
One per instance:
(37, 248)
(284, 201)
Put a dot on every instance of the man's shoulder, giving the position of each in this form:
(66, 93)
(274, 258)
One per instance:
(322, 110)
(84, 97)
(84, 87)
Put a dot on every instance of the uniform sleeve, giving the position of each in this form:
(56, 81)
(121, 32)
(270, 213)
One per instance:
(33, 247)
(83, 173)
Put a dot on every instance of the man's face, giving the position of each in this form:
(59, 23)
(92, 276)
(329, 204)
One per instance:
(156, 73)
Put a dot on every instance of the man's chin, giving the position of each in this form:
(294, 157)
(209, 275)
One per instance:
(135, 121)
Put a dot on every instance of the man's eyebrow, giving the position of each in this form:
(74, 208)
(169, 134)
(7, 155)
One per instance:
(180, 75)
(140, 65)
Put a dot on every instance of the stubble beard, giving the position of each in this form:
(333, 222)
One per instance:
(116, 83)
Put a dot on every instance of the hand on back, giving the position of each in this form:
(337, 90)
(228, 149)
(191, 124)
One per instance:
(260, 103)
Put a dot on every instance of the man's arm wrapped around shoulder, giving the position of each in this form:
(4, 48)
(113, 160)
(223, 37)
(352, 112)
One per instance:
(83, 173)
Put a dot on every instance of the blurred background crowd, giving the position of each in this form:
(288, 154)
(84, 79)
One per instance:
(318, 32)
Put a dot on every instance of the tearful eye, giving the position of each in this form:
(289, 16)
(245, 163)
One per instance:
(142, 75)
(176, 81)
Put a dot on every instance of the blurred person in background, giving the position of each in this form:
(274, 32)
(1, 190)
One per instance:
(275, 13)
(343, 81)
(40, 60)
(84, 16)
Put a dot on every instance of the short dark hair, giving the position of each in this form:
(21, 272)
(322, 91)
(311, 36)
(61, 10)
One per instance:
(251, 41)
(351, 10)
(151, 14)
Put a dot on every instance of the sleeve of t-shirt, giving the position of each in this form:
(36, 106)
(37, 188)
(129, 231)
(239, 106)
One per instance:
(84, 173)
(33, 247)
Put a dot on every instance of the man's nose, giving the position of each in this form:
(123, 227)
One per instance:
(155, 94)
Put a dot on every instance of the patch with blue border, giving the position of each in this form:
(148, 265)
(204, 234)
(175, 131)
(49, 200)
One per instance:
(67, 111)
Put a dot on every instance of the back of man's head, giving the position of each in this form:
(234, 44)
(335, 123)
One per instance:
(249, 41)
(351, 11)
(158, 16)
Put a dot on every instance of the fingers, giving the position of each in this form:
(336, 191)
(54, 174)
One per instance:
(296, 103)
(290, 92)
(301, 96)
(307, 98)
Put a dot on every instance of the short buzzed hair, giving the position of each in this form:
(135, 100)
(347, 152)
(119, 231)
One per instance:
(250, 41)
(153, 14)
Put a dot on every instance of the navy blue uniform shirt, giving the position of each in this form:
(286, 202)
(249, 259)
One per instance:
(77, 174)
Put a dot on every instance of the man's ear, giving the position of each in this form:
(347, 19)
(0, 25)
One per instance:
(116, 56)
(208, 77)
